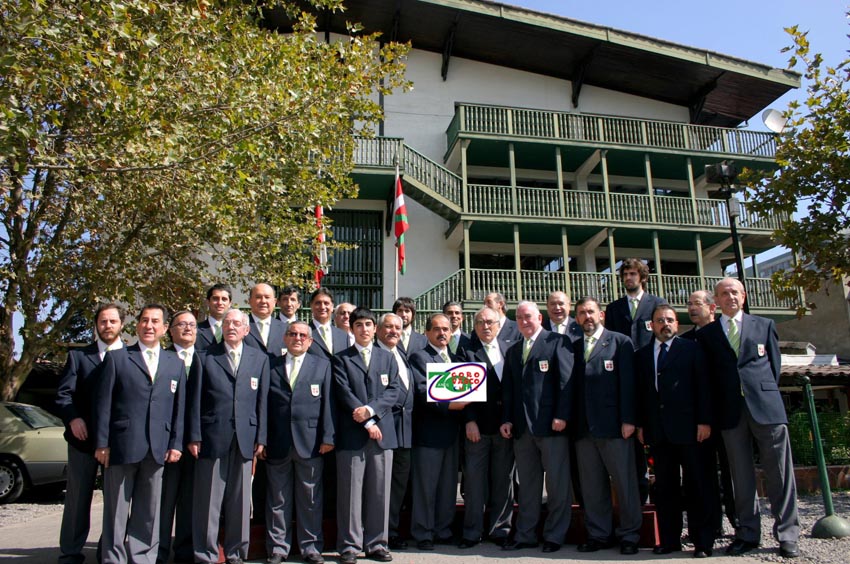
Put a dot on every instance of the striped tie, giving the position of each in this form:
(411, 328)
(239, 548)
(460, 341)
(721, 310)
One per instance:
(734, 336)
(527, 349)
(588, 347)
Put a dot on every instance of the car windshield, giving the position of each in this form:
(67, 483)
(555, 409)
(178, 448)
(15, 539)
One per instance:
(34, 416)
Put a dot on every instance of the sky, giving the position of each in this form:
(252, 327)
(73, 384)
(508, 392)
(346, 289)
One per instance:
(748, 29)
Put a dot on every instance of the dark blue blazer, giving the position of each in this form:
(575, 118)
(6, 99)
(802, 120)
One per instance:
(542, 387)
(275, 341)
(574, 332)
(355, 386)
(195, 372)
(224, 404)
(76, 388)
(303, 418)
(205, 338)
(618, 318)
(403, 408)
(605, 387)
(434, 425)
(755, 371)
(488, 415)
(417, 342)
(682, 401)
(134, 415)
(338, 336)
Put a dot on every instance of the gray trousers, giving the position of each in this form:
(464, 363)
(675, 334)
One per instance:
(178, 479)
(534, 457)
(601, 462)
(76, 515)
(363, 498)
(775, 453)
(222, 483)
(294, 482)
(398, 487)
(434, 492)
(139, 485)
(488, 484)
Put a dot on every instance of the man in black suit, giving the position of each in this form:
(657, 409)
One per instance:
(537, 395)
(327, 339)
(74, 401)
(219, 298)
(288, 302)
(435, 444)
(488, 456)
(366, 389)
(342, 313)
(139, 408)
(558, 311)
(411, 341)
(744, 361)
(266, 330)
(178, 478)
(509, 333)
(458, 340)
(301, 417)
(228, 423)
(604, 427)
(674, 418)
(389, 334)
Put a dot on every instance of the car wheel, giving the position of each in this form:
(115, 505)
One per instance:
(11, 481)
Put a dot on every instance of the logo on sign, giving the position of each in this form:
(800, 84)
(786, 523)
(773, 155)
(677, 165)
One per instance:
(452, 382)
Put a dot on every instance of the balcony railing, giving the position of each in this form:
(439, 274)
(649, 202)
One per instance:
(608, 130)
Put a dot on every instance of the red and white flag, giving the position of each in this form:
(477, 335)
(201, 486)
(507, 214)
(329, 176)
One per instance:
(400, 222)
(320, 256)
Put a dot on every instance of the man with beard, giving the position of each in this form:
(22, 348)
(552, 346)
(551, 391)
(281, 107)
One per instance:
(411, 341)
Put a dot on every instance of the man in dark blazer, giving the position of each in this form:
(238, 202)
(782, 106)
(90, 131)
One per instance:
(559, 320)
(411, 340)
(327, 339)
(537, 395)
(436, 426)
(228, 425)
(509, 332)
(488, 456)
(604, 427)
(342, 314)
(74, 401)
(366, 389)
(178, 478)
(458, 340)
(674, 419)
(301, 426)
(744, 361)
(388, 336)
(219, 298)
(139, 408)
(288, 304)
(266, 330)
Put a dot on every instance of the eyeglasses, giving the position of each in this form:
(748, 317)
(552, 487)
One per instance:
(186, 325)
(302, 336)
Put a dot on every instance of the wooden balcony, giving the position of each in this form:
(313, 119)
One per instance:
(607, 131)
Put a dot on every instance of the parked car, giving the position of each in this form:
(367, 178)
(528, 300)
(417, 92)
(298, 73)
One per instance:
(33, 451)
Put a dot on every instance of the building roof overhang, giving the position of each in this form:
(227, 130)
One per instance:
(718, 89)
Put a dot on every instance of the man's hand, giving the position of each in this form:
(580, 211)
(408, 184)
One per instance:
(472, 432)
(361, 414)
(172, 455)
(102, 455)
(194, 448)
(703, 432)
(558, 425)
(260, 451)
(628, 430)
(78, 429)
(325, 448)
(505, 430)
(457, 405)
(640, 435)
(375, 433)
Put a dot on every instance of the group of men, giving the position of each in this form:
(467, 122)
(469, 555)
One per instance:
(570, 403)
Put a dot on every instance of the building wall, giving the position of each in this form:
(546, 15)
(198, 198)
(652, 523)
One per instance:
(828, 327)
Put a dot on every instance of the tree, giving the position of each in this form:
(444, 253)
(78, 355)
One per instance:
(148, 147)
(813, 176)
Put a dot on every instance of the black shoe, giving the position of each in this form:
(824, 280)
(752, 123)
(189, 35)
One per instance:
(514, 545)
(444, 540)
(549, 546)
(789, 549)
(592, 545)
(467, 543)
(348, 558)
(380, 555)
(666, 549)
(425, 545)
(234, 561)
(313, 558)
(276, 559)
(628, 547)
(498, 541)
(702, 553)
(739, 547)
(397, 543)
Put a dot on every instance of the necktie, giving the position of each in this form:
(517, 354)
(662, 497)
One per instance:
(217, 332)
(323, 331)
(234, 360)
(293, 374)
(633, 307)
(365, 354)
(150, 360)
(562, 328)
(405, 339)
(734, 336)
(662, 356)
(183, 356)
(453, 344)
(527, 349)
(588, 347)
(264, 332)
(445, 357)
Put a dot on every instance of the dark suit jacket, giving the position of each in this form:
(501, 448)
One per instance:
(302, 418)
(76, 388)
(434, 425)
(463, 343)
(195, 372)
(403, 409)
(542, 387)
(574, 332)
(618, 318)
(355, 386)
(224, 404)
(205, 338)
(487, 415)
(755, 371)
(417, 342)
(338, 336)
(134, 415)
(605, 387)
(671, 413)
(275, 341)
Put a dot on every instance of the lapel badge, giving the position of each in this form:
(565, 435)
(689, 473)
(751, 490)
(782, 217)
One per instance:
(609, 365)
(173, 386)
(761, 350)
(255, 383)
(648, 325)
(544, 365)
(314, 390)
(385, 379)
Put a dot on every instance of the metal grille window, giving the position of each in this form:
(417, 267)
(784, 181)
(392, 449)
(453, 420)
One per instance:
(356, 274)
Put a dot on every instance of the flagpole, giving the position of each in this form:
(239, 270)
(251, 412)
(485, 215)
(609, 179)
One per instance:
(395, 242)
